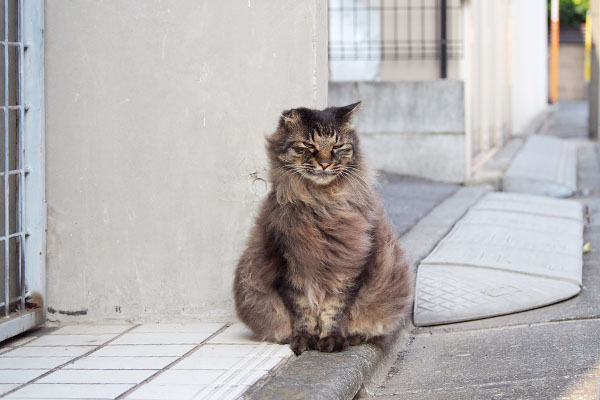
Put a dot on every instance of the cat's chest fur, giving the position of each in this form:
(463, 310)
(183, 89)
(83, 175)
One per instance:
(324, 249)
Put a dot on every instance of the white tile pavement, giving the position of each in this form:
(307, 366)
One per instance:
(144, 350)
(19, 376)
(121, 363)
(98, 376)
(72, 340)
(149, 361)
(70, 391)
(49, 351)
(163, 338)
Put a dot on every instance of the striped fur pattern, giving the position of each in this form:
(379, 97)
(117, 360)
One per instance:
(322, 268)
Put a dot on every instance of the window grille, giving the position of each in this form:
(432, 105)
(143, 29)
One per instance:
(22, 215)
(405, 29)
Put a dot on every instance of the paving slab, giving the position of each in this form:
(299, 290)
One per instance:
(209, 360)
(541, 361)
(545, 166)
(509, 253)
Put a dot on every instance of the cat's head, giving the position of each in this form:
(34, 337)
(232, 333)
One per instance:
(315, 145)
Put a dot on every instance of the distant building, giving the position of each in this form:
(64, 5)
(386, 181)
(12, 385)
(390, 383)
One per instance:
(493, 62)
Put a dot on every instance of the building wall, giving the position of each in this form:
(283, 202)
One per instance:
(487, 76)
(529, 62)
(594, 88)
(156, 113)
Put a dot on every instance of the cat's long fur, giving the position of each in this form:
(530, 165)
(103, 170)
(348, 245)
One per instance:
(322, 263)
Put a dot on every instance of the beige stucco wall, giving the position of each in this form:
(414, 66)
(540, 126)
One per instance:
(156, 113)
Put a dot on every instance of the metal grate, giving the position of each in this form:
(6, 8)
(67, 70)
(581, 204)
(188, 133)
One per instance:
(13, 174)
(23, 212)
(392, 29)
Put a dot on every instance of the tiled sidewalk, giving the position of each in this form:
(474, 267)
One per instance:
(150, 361)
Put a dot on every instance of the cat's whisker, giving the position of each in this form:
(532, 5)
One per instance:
(357, 175)
(354, 179)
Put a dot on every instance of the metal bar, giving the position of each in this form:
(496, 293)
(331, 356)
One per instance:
(382, 35)
(20, 298)
(329, 29)
(34, 254)
(354, 24)
(396, 49)
(443, 41)
(409, 29)
(342, 26)
(368, 16)
(20, 155)
(422, 30)
(6, 169)
(20, 323)
(12, 235)
(13, 44)
(436, 26)
(12, 172)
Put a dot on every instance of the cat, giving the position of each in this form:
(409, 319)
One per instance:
(322, 268)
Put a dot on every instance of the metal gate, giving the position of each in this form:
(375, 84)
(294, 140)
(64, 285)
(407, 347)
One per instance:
(22, 200)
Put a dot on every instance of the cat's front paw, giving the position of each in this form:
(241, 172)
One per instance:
(332, 343)
(302, 342)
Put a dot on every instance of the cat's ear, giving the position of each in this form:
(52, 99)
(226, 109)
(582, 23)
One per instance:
(290, 119)
(344, 114)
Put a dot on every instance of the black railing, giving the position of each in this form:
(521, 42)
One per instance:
(393, 29)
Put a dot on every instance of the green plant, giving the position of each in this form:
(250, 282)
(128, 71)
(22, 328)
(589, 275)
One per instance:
(572, 12)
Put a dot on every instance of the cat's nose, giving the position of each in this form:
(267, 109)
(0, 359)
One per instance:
(324, 164)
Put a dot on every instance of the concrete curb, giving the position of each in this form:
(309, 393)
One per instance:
(316, 375)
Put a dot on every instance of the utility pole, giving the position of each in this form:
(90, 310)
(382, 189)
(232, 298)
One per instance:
(554, 43)
(443, 40)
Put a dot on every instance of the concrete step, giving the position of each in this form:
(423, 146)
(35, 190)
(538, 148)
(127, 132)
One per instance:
(545, 166)
(511, 252)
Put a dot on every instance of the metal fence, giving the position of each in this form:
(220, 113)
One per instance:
(394, 29)
(22, 219)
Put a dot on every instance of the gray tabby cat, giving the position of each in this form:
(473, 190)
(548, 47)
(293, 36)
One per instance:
(322, 268)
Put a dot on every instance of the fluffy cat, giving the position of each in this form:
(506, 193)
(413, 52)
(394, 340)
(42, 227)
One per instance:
(322, 268)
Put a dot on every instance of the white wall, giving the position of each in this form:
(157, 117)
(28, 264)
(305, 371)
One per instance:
(529, 62)
(344, 29)
(486, 72)
(156, 113)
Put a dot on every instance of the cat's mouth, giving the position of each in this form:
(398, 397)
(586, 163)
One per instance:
(322, 177)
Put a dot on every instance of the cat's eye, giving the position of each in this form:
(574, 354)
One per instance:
(309, 146)
(299, 149)
(339, 146)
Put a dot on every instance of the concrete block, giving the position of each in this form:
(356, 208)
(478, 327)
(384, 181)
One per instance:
(409, 128)
(427, 106)
(437, 157)
(546, 166)
(509, 253)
